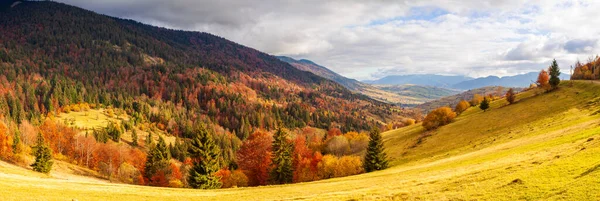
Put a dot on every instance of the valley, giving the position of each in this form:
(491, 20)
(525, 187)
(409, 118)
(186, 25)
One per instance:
(547, 153)
(218, 100)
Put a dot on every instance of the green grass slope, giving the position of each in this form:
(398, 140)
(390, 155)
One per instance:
(543, 147)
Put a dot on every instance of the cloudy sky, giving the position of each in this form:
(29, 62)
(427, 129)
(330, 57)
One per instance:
(371, 39)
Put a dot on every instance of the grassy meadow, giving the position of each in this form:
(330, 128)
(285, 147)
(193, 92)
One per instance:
(546, 146)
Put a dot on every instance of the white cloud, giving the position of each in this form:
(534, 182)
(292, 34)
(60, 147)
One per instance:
(370, 39)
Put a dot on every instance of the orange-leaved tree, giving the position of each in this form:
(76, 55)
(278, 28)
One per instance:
(543, 80)
(438, 117)
(254, 157)
(5, 142)
(510, 96)
(461, 106)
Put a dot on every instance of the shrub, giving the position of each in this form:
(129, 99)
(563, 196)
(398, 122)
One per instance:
(332, 166)
(338, 146)
(231, 179)
(348, 165)
(461, 106)
(128, 173)
(438, 117)
(510, 96)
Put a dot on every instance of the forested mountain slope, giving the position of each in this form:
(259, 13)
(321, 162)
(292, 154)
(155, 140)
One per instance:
(52, 54)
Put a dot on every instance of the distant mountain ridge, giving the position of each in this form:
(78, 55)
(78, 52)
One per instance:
(421, 79)
(462, 82)
(522, 80)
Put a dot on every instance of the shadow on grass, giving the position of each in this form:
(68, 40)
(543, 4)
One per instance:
(588, 171)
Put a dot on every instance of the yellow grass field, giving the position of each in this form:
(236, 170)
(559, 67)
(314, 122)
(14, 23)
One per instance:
(87, 121)
(544, 147)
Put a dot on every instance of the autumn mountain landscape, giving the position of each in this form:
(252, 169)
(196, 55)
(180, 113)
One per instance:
(286, 100)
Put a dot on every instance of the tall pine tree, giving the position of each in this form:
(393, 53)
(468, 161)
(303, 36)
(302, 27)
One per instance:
(43, 156)
(205, 154)
(282, 148)
(376, 158)
(554, 72)
(157, 159)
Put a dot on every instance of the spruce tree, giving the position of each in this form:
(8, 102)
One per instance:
(16, 142)
(485, 104)
(149, 139)
(554, 72)
(134, 138)
(205, 154)
(43, 156)
(375, 158)
(282, 149)
(157, 159)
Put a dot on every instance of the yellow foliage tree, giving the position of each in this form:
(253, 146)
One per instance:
(461, 106)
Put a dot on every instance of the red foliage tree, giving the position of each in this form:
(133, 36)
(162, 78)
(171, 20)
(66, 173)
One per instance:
(254, 157)
(60, 138)
(334, 132)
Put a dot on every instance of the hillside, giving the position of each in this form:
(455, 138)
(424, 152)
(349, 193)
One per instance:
(309, 66)
(419, 94)
(129, 102)
(405, 95)
(452, 100)
(547, 151)
(64, 57)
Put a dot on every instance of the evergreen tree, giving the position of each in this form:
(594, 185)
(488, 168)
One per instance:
(245, 129)
(114, 131)
(134, 138)
(485, 104)
(157, 159)
(205, 153)
(16, 142)
(43, 156)
(375, 158)
(281, 162)
(554, 72)
(149, 139)
(101, 136)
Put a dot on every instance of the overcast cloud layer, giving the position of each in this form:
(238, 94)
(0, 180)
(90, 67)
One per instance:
(371, 39)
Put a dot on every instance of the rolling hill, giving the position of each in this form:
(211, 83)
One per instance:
(452, 100)
(418, 93)
(547, 150)
(403, 94)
